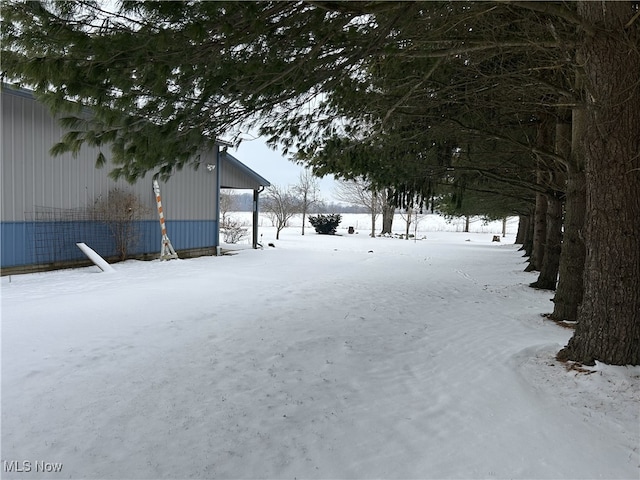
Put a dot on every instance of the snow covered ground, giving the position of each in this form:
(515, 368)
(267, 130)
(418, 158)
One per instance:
(324, 357)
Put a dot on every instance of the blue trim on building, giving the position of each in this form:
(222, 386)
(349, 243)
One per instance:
(186, 234)
(39, 243)
(15, 249)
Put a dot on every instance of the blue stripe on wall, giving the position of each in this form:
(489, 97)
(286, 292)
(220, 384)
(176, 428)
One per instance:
(15, 249)
(32, 243)
(185, 234)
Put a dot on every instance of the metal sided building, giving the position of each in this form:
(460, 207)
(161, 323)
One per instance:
(48, 202)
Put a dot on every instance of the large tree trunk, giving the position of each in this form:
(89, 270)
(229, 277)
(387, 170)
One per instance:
(548, 277)
(374, 212)
(523, 225)
(388, 210)
(539, 234)
(544, 140)
(570, 285)
(608, 328)
(304, 219)
(552, 245)
(527, 245)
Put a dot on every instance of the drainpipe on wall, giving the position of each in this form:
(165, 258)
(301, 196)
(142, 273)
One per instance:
(256, 194)
(217, 190)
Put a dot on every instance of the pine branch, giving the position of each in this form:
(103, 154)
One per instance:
(553, 9)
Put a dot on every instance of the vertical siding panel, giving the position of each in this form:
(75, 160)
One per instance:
(190, 194)
(18, 165)
(87, 183)
(44, 144)
(65, 181)
(29, 187)
(60, 195)
(19, 188)
(39, 169)
(8, 162)
(40, 174)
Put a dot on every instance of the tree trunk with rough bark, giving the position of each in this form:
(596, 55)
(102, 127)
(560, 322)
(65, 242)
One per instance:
(548, 278)
(570, 283)
(608, 328)
(544, 140)
(388, 210)
(523, 225)
(374, 213)
(539, 234)
(527, 245)
(552, 245)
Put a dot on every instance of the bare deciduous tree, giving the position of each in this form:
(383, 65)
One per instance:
(308, 191)
(407, 215)
(227, 203)
(359, 192)
(411, 215)
(280, 205)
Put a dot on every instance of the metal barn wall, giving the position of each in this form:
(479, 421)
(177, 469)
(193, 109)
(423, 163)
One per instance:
(33, 179)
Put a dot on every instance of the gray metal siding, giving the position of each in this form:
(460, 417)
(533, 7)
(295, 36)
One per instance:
(32, 177)
(235, 174)
(190, 194)
(230, 175)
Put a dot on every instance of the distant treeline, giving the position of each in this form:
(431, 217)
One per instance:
(242, 202)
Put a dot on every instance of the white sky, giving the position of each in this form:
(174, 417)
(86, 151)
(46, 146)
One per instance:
(275, 167)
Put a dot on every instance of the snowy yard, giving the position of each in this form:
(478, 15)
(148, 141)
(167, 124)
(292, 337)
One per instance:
(324, 357)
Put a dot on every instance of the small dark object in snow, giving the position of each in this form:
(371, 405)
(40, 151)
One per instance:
(496, 238)
(272, 245)
(370, 251)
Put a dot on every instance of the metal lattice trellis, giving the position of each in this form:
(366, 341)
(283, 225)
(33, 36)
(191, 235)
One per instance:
(55, 232)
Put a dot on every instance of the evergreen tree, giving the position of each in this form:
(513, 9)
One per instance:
(325, 224)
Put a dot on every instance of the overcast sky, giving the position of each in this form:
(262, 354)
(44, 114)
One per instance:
(275, 167)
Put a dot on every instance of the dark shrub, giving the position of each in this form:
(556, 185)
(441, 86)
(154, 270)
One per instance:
(325, 224)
